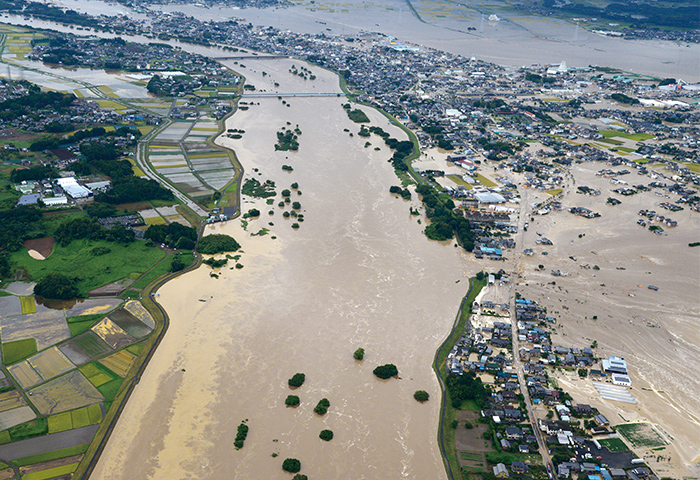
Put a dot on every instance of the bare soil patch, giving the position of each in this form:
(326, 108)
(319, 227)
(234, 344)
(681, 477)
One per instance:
(135, 206)
(43, 246)
(52, 464)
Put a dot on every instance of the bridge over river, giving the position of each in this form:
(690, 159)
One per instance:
(264, 95)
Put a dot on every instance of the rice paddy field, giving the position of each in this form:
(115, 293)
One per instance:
(67, 392)
(16, 416)
(50, 363)
(25, 375)
(10, 400)
(120, 362)
(130, 324)
(46, 328)
(112, 334)
(175, 132)
(84, 347)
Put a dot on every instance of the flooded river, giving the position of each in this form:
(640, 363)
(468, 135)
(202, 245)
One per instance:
(517, 39)
(357, 273)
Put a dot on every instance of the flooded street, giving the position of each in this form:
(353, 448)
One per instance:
(357, 273)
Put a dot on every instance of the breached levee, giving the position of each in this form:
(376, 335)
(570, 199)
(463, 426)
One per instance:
(358, 272)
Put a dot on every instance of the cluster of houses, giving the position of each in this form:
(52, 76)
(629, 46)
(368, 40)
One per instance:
(61, 192)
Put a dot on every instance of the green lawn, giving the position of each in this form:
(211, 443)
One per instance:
(109, 390)
(48, 456)
(556, 191)
(640, 435)
(483, 180)
(135, 348)
(693, 167)
(614, 444)
(161, 269)
(469, 405)
(93, 271)
(13, 352)
(508, 458)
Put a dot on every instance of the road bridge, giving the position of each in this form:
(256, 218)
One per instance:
(287, 95)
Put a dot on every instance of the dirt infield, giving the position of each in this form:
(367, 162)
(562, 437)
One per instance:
(44, 246)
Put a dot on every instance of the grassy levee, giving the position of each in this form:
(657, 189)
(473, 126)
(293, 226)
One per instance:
(415, 153)
(446, 441)
(150, 344)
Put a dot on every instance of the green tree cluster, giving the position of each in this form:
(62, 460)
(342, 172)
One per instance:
(241, 435)
(57, 286)
(217, 243)
(421, 396)
(322, 406)
(386, 371)
(297, 380)
(291, 465)
(466, 387)
(444, 222)
(174, 234)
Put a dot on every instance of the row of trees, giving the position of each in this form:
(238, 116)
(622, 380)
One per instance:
(444, 222)
(90, 229)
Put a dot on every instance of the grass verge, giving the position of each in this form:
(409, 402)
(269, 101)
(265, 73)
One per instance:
(446, 439)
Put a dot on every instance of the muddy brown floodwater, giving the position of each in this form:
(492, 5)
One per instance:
(357, 273)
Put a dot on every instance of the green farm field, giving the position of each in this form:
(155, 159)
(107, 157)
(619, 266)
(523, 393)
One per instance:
(13, 352)
(92, 270)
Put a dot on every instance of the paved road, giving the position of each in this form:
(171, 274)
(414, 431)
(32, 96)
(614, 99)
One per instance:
(525, 211)
(48, 443)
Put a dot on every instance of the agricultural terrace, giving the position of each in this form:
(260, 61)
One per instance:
(62, 370)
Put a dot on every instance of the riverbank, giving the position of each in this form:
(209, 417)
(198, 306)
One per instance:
(357, 272)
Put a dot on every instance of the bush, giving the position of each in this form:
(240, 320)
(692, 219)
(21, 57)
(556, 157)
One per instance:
(297, 380)
(358, 116)
(177, 264)
(299, 476)
(359, 354)
(468, 425)
(241, 435)
(326, 435)
(291, 465)
(253, 212)
(386, 371)
(322, 406)
(57, 286)
(217, 243)
(184, 243)
(421, 396)
(292, 401)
